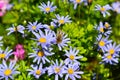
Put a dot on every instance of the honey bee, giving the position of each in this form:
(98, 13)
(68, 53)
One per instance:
(59, 36)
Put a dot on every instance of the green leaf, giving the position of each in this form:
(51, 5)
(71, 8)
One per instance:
(10, 17)
(84, 59)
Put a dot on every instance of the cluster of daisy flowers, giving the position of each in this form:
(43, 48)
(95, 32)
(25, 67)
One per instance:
(104, 9)
(7, 71)
(109, 48)
(46, 39)
(70, 67)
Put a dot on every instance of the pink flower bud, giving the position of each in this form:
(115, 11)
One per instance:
(19, 52)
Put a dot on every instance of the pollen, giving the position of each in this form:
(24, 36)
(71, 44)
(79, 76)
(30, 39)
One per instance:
(102, 9)
(57, 69)
(33, 27)
(38, 72)
(7, 72)
(101, 43)
(2, 56)
(77, 1)
(61, 21)
(40, 54)
(107, 25)
(47, 9)
(101, 30)
(72, 57)
(42, 40)
(111, 51)
(109, 56)
(70, 71)
(15, 29)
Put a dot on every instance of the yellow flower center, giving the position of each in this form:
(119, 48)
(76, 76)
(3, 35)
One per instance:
(102, 9)
(40, 54)
(38, 72)
(2, 56)
(72, 57)
(57, 70)
(15, 29)
(47, 9)
(7, 72)
(106, 25)
(101, 29)
(101, 43)
(109, 56)
(61, 21)
(42, 40)
(77, 1)
(111, 51)
(33, 27)
(70, 71)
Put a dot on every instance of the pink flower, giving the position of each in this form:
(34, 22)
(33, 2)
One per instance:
(19, 46)
(1, 13)
(1, 4)
(4, 5)
(19, 52)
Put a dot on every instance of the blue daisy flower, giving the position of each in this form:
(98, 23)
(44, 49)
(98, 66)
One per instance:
(76, 2)
(61, 19)
(72, 71)
(45, 39)
(7, 72)
(108, 58)
(116, 7)
(102, 42)
(41, 56)
(46, 8)
(101, 28)
(103, 9)
(35, 26)
(56, 69)
(72, 56)
(36, 71)
(5, 54)
(62, 40)
(112, 49)
(19, 28)
(107, 25)
(1, 43)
